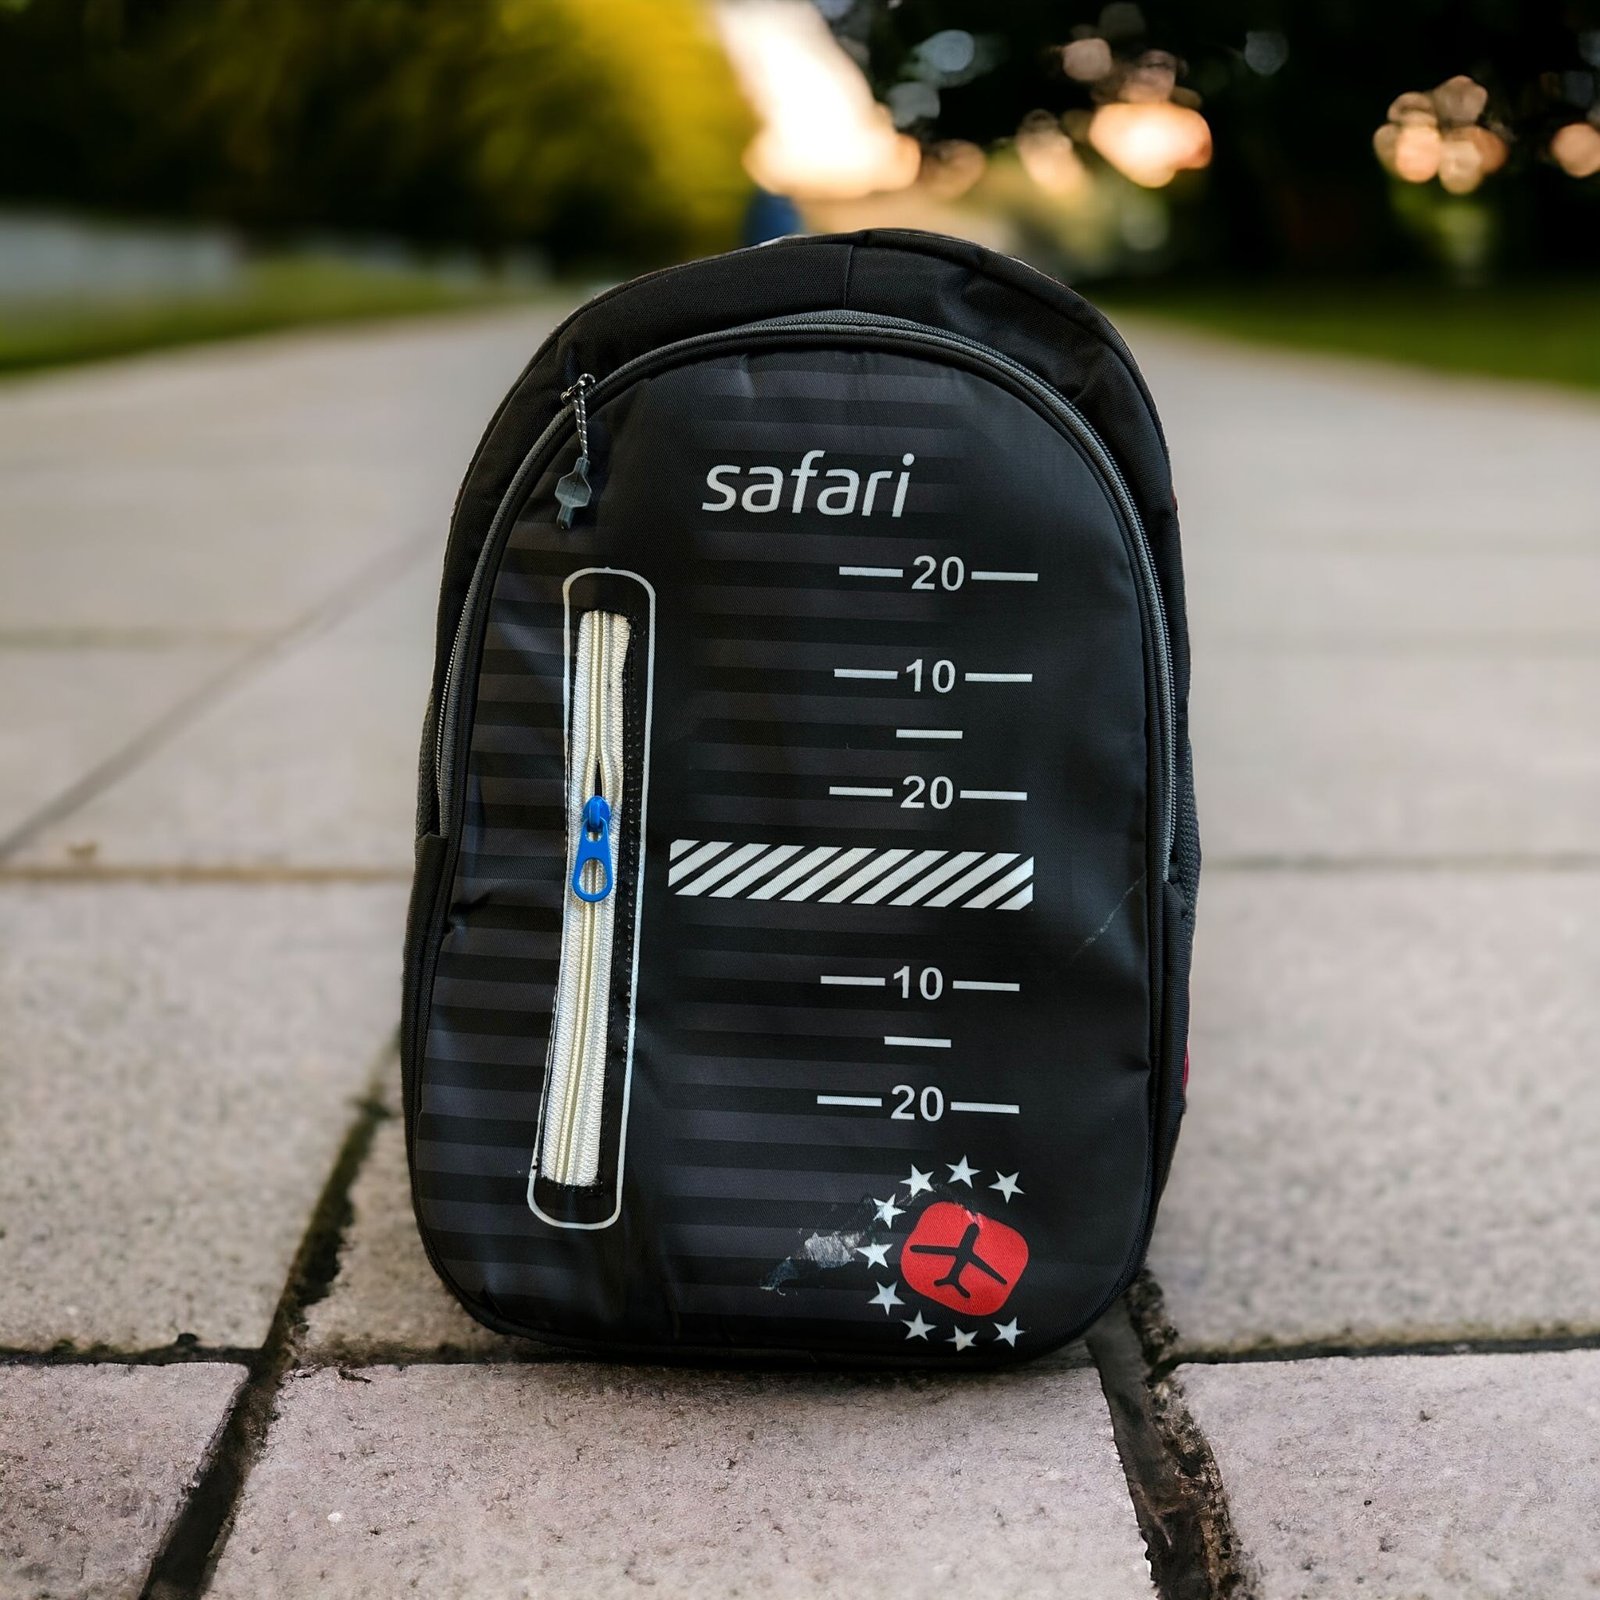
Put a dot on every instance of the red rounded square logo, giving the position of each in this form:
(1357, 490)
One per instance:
(963, 1259)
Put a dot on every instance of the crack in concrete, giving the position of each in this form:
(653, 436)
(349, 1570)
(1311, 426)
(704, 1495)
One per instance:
(1331, 1349)
(182, 1567)
(1173, 1481)
(134, 638)
(344, 600)
(1555, 861)
(185, 1350)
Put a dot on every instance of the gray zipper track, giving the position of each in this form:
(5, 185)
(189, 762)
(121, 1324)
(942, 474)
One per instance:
(892, 330)
(444, 742)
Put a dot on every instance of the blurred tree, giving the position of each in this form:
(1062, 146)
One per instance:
(1294, 93)
(593, 131)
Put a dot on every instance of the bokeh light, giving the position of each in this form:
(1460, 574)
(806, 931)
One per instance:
(1438, 134)
(1576, 149)
(823, 136)
(1151, 142)
(950, 167)
(1048, 157)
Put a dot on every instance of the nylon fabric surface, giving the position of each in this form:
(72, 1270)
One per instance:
(766, 1170)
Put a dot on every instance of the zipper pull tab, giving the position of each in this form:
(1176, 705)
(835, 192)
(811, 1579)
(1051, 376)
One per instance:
(574, 491)
(595, 845)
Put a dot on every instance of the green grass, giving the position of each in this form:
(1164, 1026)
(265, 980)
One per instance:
(271, 295)
(1547, 332)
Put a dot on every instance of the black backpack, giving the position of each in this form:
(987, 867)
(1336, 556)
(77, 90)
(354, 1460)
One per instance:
(798, 956)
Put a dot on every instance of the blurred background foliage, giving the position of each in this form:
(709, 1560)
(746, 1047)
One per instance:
(1420, 177)
(596, 131)
(1292, 94)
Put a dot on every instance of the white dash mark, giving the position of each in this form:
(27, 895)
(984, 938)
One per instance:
(912, 1042)
(1019, 901)
(854, 983)
(927, 733)
(809, 862)
(869, 1101)
(994, 794)
(825, 875)
(906, 870)
(1004, 886)
(984, 987)
(845, 791)
(730, 863)
(990, 1107)
(998, 677)
(874, 572)
(865, 672)
(680, 845)
(925, 885)
(1005, 577)
(968, 881)
(692, 863)
(757, 869)
(857, 881)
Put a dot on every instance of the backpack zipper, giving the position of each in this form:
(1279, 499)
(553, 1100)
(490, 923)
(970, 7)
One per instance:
(588, 390)
(575, 1073)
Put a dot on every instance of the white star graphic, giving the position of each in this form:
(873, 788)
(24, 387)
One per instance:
(877, 1254)
(919, 1328)
(1008, 1331)
(888, 1210)
(962, 1340)
(1008, 1185)
(887, 1298)
(962, 1173)
(917, 1183)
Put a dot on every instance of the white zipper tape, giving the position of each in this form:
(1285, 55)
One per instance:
(569, 1143)
(605, 650)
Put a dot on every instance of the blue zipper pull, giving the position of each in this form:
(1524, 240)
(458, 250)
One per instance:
(594, 845)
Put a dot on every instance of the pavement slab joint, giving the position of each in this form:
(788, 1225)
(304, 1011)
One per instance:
(1173, 1481)
(353, 593)
(183, 1566)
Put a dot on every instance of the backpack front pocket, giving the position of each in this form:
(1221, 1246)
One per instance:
(575, 1174)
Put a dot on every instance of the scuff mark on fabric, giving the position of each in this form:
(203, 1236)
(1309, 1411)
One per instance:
(826, 1250)
(1111, 916)
(785, 1272)
(831, 1249)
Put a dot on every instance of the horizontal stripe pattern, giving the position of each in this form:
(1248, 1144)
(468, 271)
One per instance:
(769, 1104)
(971, 880)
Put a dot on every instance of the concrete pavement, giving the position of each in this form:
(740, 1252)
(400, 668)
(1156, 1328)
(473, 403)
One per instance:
(227, 1367)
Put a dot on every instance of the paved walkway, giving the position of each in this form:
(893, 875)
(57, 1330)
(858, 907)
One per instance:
(1366, 1359)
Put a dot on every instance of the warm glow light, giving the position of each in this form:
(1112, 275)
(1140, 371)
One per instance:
(1577, 148)
(1048, 158)
(1416, 152)
(1152, 142)
(1459, 101)
(951, 167)
(823, 136)
(1087, 60)
(1460, 166)
(1438, 135)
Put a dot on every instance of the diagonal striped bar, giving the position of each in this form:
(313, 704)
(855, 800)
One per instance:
(726, 867)
(798, 869)
(759, 868)
(968, 881)
(833, 874)
(922, 887)
(684, 866)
